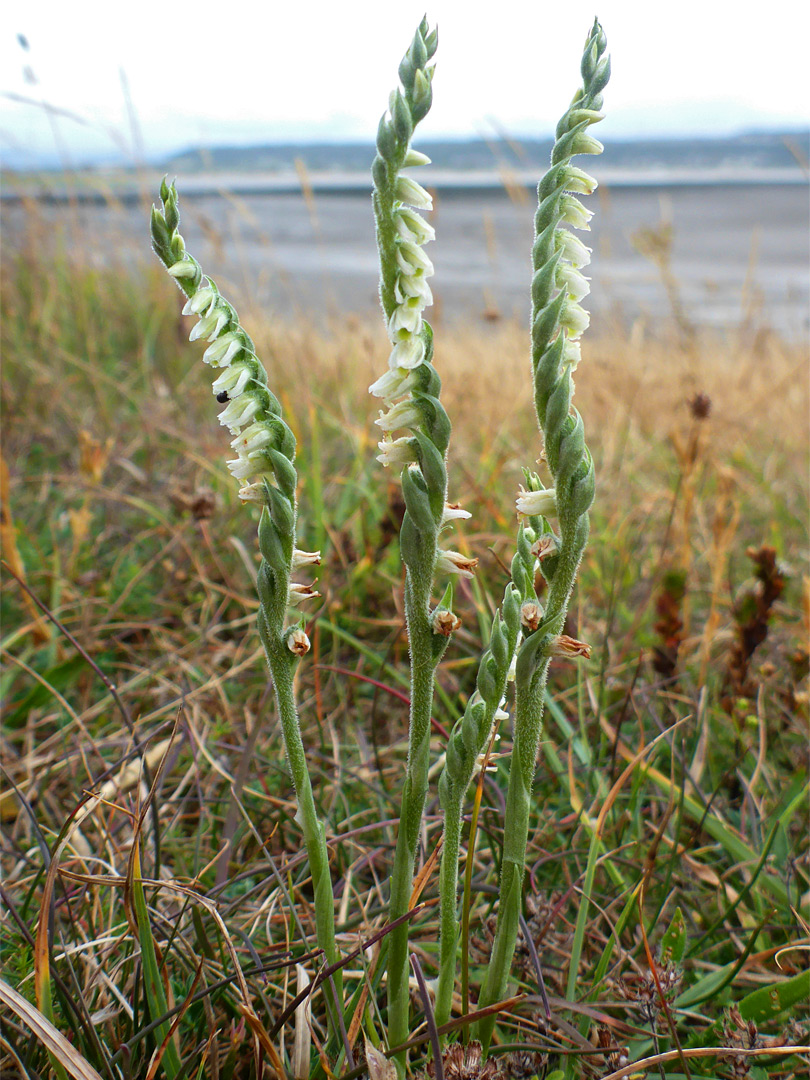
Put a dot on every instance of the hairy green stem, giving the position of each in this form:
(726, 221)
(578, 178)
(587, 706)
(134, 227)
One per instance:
(528, 725)
(529, 703)
(467, 742)
(448, 910)
(282, 667)
(414, 793)
(558, 322)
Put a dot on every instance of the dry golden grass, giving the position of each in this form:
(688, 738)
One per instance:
(132, 533)
(633, 388)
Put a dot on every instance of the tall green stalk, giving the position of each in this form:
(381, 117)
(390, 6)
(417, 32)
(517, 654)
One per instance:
(467, 742)
(410, 390)
(558, 321)
(265, 450)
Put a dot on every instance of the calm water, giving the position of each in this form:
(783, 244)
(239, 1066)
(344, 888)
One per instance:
(737, 252)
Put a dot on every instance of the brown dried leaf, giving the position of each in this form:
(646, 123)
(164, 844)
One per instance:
(52, 1039)
(379, 1067)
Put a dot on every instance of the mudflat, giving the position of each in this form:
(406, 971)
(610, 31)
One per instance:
(735, 252)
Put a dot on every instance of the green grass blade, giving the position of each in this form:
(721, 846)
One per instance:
(152, 982)
(766, 1002)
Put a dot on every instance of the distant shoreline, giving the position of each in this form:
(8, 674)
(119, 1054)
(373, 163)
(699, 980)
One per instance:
(98, 188)
(739, 252)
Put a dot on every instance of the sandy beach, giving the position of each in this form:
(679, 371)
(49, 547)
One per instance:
(739, 252)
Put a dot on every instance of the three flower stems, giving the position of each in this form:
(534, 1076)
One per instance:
(525, 634)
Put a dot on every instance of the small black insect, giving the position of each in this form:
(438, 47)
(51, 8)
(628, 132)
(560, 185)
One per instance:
(222, 396)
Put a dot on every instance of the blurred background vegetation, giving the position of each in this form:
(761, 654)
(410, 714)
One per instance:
(673, 772)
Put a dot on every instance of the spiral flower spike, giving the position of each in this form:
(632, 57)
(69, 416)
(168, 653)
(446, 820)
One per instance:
(264, 448)
(558, 321)
(410, 390)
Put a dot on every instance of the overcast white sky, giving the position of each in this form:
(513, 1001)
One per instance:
(287, 70)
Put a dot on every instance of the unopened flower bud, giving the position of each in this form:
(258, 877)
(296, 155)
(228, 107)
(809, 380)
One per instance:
(185, 268)
(586, 144)
(444, 622)
(511, 674)
(576, 116)
(414, 157)
(386, 139)
(401, 117)
(421, 87)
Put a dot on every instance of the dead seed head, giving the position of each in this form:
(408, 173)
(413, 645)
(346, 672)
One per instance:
(700, 406)
(545, 546)
(531, 615)
(464, 1063)
(570, 648)
(445, 622)
(298, 642)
